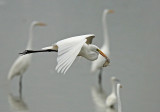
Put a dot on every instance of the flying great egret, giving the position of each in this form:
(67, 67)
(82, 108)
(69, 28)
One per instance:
(22, 62)
(112, 98)
(98, 64)
(68, 49)
(118, 97)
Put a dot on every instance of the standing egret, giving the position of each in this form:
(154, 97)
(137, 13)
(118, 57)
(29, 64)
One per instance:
(112, 98)
(118, 97)
(68, 49)
(99, 63)
(22, 62)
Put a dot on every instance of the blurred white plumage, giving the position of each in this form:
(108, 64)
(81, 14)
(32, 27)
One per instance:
(99, 97)
(17, 103)
(22, 62)
(112, 98)
(99, 63)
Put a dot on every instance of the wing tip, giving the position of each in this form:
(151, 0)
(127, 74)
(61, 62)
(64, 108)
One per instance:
(90, 35)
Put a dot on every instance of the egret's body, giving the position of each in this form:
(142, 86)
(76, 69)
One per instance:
(112, 98)
(98, 64)
(99, 97)
(23, 62)
(68, 49)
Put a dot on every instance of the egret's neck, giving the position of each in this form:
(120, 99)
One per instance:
(113, 87)
(119, 100)
(29, 45)
(105, 30)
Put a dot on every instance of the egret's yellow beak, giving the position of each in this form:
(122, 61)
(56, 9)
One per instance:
(120, 86)
(41, 24)
(100, 52)
(110, 11)
(105, 56)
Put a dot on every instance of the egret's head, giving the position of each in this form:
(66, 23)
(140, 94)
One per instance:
(93, 48)
(119, 85)
(107, 11)
(98, 51)
(38, 23)
(114, 79)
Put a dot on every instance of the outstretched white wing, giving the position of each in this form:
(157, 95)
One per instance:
(68, 49)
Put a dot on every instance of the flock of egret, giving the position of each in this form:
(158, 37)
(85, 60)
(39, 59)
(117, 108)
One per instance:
(68, 49)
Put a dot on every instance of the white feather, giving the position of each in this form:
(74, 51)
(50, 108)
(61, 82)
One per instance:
(22, 62)
(19, 66)
(68, 49)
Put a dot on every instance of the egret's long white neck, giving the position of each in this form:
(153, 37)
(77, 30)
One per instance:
(29, 45)
(119, 100)
(105, 30)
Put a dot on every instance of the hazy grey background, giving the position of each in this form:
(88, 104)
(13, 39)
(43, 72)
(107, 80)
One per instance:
(134, 31)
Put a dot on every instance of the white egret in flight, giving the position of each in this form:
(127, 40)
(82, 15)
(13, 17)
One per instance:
(22, 62)
(68, 49)
(111, 100)
(99, 63)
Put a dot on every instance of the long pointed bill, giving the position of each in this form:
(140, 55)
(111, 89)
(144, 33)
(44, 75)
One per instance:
(121, 86)
(42, 24)
(105, 56)
(110, 11)
(100, 52)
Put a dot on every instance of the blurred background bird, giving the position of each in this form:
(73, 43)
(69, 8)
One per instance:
(22, 62)
(99, 63)
(99, 97)
(111, 100)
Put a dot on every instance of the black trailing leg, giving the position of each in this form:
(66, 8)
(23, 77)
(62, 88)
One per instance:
(36, 51)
